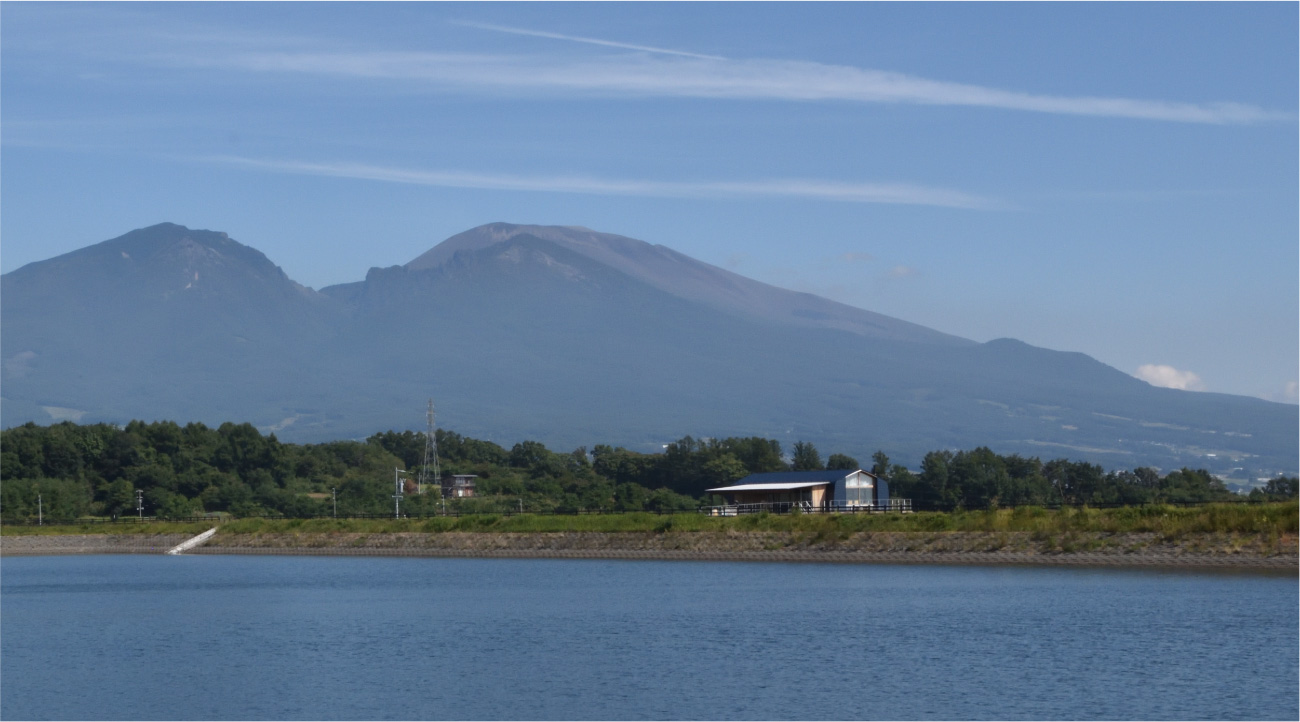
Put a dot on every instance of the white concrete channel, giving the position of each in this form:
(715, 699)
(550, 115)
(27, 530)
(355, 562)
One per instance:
(189, 544)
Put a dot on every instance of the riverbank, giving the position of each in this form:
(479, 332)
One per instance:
(1143, 550)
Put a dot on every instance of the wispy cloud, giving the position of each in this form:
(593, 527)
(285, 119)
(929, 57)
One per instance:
(707, 77)
(579, 39)
(893, 193)
(1169, 377)
(648, 71)
(903, 272)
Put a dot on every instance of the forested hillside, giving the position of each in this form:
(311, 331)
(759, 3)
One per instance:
(82, 470)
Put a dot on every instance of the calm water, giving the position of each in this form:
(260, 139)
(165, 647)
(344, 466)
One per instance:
(210, 637)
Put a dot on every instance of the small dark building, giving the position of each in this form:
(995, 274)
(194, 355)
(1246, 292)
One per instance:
(458, 486)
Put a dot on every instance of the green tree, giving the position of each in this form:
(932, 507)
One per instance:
(978, 478)
(527, 454)
(759, 455)
(842, 461)
(723, 470)
(805, 457)
(932, 487)
(903, 484)
(406, 445)
(880, 465)
(118, 497)
(1280, 488)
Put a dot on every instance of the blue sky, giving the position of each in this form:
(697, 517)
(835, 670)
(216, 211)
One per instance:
(1118, 179)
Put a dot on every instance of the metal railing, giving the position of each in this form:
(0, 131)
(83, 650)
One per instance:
(455, 514)
(903, 506)
(893, 505)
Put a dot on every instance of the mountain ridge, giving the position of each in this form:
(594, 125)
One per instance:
(522, 334)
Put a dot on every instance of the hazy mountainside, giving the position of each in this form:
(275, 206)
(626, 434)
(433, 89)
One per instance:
(572, 338)
(161, 321)
(686, 278)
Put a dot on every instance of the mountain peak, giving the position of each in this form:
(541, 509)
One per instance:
(162, 244)
(584, 240)
(167, 258)
(687, 278)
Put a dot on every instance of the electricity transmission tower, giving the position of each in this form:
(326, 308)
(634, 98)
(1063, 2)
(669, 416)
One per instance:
(430, 457)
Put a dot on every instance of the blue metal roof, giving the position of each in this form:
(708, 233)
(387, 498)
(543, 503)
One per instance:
(785, 477)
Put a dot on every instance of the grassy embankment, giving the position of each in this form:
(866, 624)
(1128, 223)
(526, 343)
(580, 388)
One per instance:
(1170, 523)
(1167, 521)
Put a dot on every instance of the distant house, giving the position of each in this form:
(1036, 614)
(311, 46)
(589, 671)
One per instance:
(812, 491)
(458, 486)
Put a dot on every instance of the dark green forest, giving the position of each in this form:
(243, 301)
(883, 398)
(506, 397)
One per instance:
(191, 470)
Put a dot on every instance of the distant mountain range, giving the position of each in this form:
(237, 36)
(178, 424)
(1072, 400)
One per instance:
(570, 337)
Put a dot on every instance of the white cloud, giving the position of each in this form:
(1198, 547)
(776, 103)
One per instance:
(1288, 394)
(621, 69)
(651, 73)
(893, 193)
(578, 39)
(1169, 377)
(855, 257)
(903, 272)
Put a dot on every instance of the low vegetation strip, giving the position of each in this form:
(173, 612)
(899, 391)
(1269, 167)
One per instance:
(1285, 564)
(1273, 520)
(768, 541)
(1256, 535)
(1249, 551)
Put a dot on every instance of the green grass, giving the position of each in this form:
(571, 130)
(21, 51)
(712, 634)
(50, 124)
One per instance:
(129, 529)
(1272, 520)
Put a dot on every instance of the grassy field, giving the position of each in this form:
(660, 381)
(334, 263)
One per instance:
(1269, 520)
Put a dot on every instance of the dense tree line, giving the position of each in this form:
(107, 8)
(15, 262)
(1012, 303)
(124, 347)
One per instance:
(188, 470)
(980, 479)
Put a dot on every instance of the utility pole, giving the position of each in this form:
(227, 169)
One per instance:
(139, 504)
(40, 513)
(397, 495)
(335, 494)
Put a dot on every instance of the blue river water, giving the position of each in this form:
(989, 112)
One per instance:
(213, 637)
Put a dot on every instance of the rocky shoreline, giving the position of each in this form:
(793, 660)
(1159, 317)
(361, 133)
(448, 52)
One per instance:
(54, 544)
(1220, 551)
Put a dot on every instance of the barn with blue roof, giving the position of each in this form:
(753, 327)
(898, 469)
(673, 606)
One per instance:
(824, 490)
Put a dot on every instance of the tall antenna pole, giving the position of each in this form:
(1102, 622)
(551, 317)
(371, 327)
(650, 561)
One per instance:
(139, 504)
(397, 495)
(430, 455)
(40, 512)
